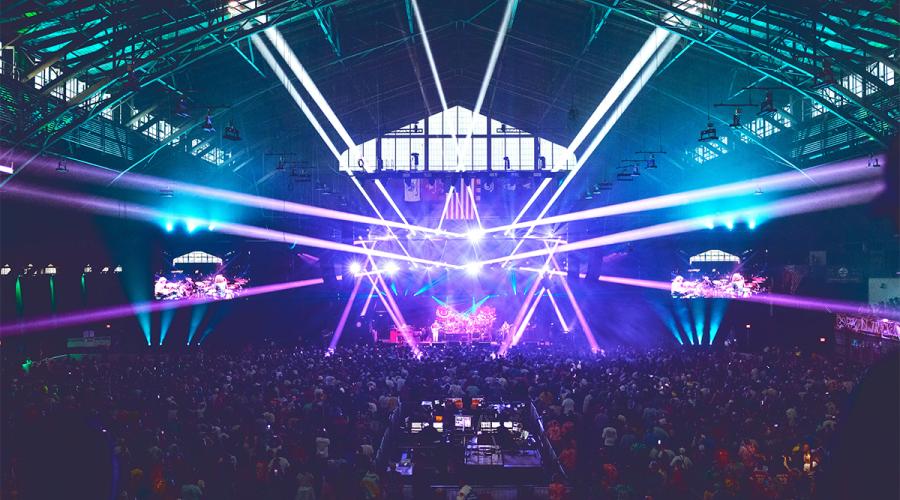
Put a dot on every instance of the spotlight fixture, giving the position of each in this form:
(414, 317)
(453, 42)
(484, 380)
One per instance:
(506, 165)
(636, 172)
(736, 118)
(166, 193)
(231, 132)
(475, 234)
(355, 268)
(62, 166)
(767, 106)
(391, 268)
(825, 79)
(7, 168)
(873, 162)
(542, 163)
(6, 269)
(133, 83)
(473, 268)
(181, 108)
(415, 160)
(709, 133)
(624, 176)
(651, 161)
(208, 124)
(758, 191)
(117, 270)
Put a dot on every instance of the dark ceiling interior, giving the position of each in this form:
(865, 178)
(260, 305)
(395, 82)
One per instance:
(558, 60)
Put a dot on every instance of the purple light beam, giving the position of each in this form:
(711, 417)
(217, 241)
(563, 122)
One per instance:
(775, 299)
(833, 198)
(836, 173)
(125, 310)
(141, 212)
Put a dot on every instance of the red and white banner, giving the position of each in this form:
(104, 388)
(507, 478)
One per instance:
(462, 204)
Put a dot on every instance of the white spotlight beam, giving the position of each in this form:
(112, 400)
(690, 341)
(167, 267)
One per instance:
(282, 76)
(471, 193)
(293, 63)
(368, 301)
(428, 54)
(302, 75)
(339, 330)
(434, 71)
(559, 315)
(372, 204)
(534, 196)
(826, 175)
(651, 46)
(495, 54)
(629, 96)
(389, 298)
(643, 55)
(506, 343)
(390, 200)
(521, 329)
(585, 327)
(446, 204)
(813, 202)
(505, 24)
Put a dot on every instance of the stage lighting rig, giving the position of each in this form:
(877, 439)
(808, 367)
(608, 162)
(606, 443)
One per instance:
(825, 79)
(624, 174)
(767, 106)
(873, 162)
(182, 110)
(736, 118)
(736, 115)
(475, 235)
(62, 166)
(132, 83)
(231, 132)
(709, 133)
(391, 268)
(284, 160)
(208, 124)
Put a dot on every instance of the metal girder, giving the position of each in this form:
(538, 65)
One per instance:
(149, 123)
(808, 61)
(207, 145)
(144, 112)
(279, 11)
(597, 24)
(15, 26)
(749, 52)
(200, 145)
(80, 40)
(325, 17)
(787, 55)
(852, 37)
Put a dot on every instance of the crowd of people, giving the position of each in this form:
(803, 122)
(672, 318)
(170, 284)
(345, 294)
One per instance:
(301, 423)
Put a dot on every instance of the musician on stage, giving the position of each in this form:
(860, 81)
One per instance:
(435, 332)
